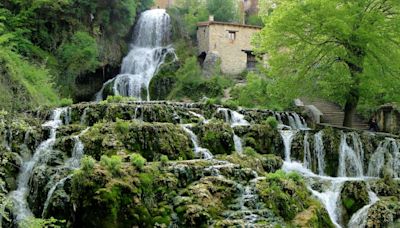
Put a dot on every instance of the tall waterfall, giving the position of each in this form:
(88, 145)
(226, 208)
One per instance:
(148, 50)
(234, 119)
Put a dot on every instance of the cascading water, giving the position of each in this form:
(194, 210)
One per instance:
(359, 219)
(149, 49)
(21, 207)
(351, 157)
(388, 149)
(320, 152)
(235, 119)
(199, 151)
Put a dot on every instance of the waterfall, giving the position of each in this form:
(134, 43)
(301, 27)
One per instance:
(287, 137)
(199, 151)
(307, 160)
(350, 158)
(148, 51)
(359, 219)
(388, 148)
(51, 192)
(320, 152)
(21, 207)
(234, 119)
(330, 199)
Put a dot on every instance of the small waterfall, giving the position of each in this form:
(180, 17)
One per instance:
(148, 52)
(330, 199)
(350, 158)
(84, 116)
(320, 152)
(72, 164)
(387, 149)
(199, 151)
(238, 144)
(51, 192)
(201, 117)
(307, 161)
(234, 119)
(287, 137)
(359, 219)
(21, 207)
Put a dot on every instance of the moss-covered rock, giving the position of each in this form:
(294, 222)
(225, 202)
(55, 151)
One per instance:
(384, 213)
(150, 140)
(216, 136)
(353, 196)
(260, 163)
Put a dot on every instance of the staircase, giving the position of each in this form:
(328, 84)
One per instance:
(333, 113)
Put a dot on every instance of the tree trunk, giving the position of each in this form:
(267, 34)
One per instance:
(350, 107)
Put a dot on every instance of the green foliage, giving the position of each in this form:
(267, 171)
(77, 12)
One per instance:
(23, 84)
(78, 56)
(138, 161)
(223, 10)
(346, 51)
(113, 164)
(164, 159)
(257, 93)
(190, 79)
(254, 20)
(33, 222)
(119, 99)
(66, 102)
(249, 151)
(122, 126)
(272, 122)
(87, 164)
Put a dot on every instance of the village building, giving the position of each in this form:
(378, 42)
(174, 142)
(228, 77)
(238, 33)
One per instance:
(163, 4)
(230, 42)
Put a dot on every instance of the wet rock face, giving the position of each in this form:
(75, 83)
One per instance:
(354, 196)
(385, 213)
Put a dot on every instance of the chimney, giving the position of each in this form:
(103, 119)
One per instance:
(211, 18)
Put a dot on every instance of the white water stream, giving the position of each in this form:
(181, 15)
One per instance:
(148, 50)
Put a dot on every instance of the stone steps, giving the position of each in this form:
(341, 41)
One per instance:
(333, 113)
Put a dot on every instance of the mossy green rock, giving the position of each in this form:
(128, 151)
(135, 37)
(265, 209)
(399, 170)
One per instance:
(354, 196)
(216, 136)
(150, 140)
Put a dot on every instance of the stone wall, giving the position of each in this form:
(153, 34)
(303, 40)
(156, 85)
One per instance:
(215, 37)
(388, 118)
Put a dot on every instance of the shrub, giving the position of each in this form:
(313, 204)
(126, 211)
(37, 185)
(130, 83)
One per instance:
(137, 160)
(87, 164)
(66, 102)
(122, 126)
(250, 151)
(33, 222)
(113, 164)
(164, 159)
(231, 104)
(272, 122)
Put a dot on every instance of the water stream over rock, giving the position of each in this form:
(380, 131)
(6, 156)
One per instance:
(148, 51)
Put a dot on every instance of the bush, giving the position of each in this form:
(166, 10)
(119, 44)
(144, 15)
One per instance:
(231, 104)
(272, 122)
(87, 164)
(122, 126)
(113, 164)
(250, 151)
(164, 159)
(138, 161)
(66, 102)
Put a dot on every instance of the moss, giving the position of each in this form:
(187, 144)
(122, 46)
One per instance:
(150, 140)
(384, 213)
(216, 136)
(314, 216)
(285, 194)
(260, 163)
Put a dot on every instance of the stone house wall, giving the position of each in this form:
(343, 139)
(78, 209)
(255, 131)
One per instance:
(388, 119)
(228, 41)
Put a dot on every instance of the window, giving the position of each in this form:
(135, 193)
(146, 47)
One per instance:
(232, 35)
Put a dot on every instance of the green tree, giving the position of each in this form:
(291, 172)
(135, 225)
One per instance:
(346, 50)
(223, 10)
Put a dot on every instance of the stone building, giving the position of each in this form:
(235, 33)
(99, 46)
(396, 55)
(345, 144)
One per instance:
(163, 4)
(388, 118)
(229, 42)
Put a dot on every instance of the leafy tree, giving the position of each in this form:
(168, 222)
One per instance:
(223, 10)
(345, 50)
